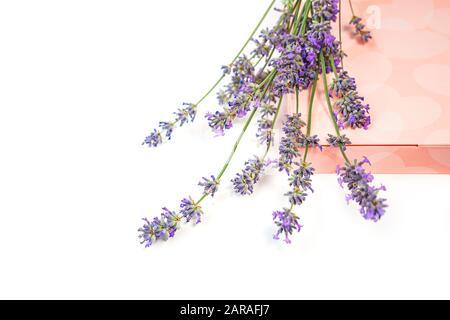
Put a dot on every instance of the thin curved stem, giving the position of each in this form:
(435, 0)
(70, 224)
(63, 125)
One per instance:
(210, 90)
(269, 145)
(351, 7)
(297, 17)
(330, 106)
(306, 10)
(340, 32)
(309, 126)
(239, 53)
(236, 145)
(254, 31)
(267, 82)
(333, 66)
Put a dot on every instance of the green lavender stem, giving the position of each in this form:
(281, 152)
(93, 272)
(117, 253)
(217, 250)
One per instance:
(309, 125)
(239, 53)
(210, 90)
(269, 145)
(330, 106)
(351, 7)
(267, 82)
(233, 151)
(305, 13)
(340, 32)
(296, 21)
(254, 30)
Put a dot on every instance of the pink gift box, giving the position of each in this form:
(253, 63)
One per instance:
(404, 75)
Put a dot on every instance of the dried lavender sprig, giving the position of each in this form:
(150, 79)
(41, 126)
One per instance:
(267, 82)
(330, 106)
(190, 209)
(240, 52)
(154, 139)
(351, 110)
(210, 185)
(353, 174)
(266, 126)
(244, 182)
(358, 182)
(159, 228)
(240, 104)
(310, 113)
(184, 115)
(287, 222)
(360, 29)
(337, 142)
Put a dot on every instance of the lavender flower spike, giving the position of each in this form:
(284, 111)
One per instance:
(337, 142)
(187, 114)
(154, 139)
(210, 185)
(191, 211)
(360, 29)
(358, 183)
(287, 222)
(244, 182)
(159, 228)
(351, 111)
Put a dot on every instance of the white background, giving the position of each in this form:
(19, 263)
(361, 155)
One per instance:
(81, 84)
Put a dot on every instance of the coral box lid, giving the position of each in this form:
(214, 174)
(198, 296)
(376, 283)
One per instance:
(404, 75)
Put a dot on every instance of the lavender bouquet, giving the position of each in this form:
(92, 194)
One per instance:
(294, 55)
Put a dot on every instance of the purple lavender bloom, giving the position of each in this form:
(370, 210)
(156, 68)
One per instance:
(243, 68)
(301, 177)
(147, 233)
(236, 97)
(226, 70)
(265, 133)
(154, 139)
(351, 111)
(287, 222)
(184, 115)
(210, 186)
(358, 181)
(267, 110)
(272, 38)
(167, 127)
(191, 211)
(300, 180)
(295, 66)
(219, 121)
(264, 45)
(320, 35)
(325, 10)
(337, 142)
(312, 142)
(245, 181)
(187, 114)
(290, 143)
(343, 84)
(319, 32)
(297, 196)
(223, 97)
(360, 29)
(292, 127)
(288, 150)
(159, 228)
